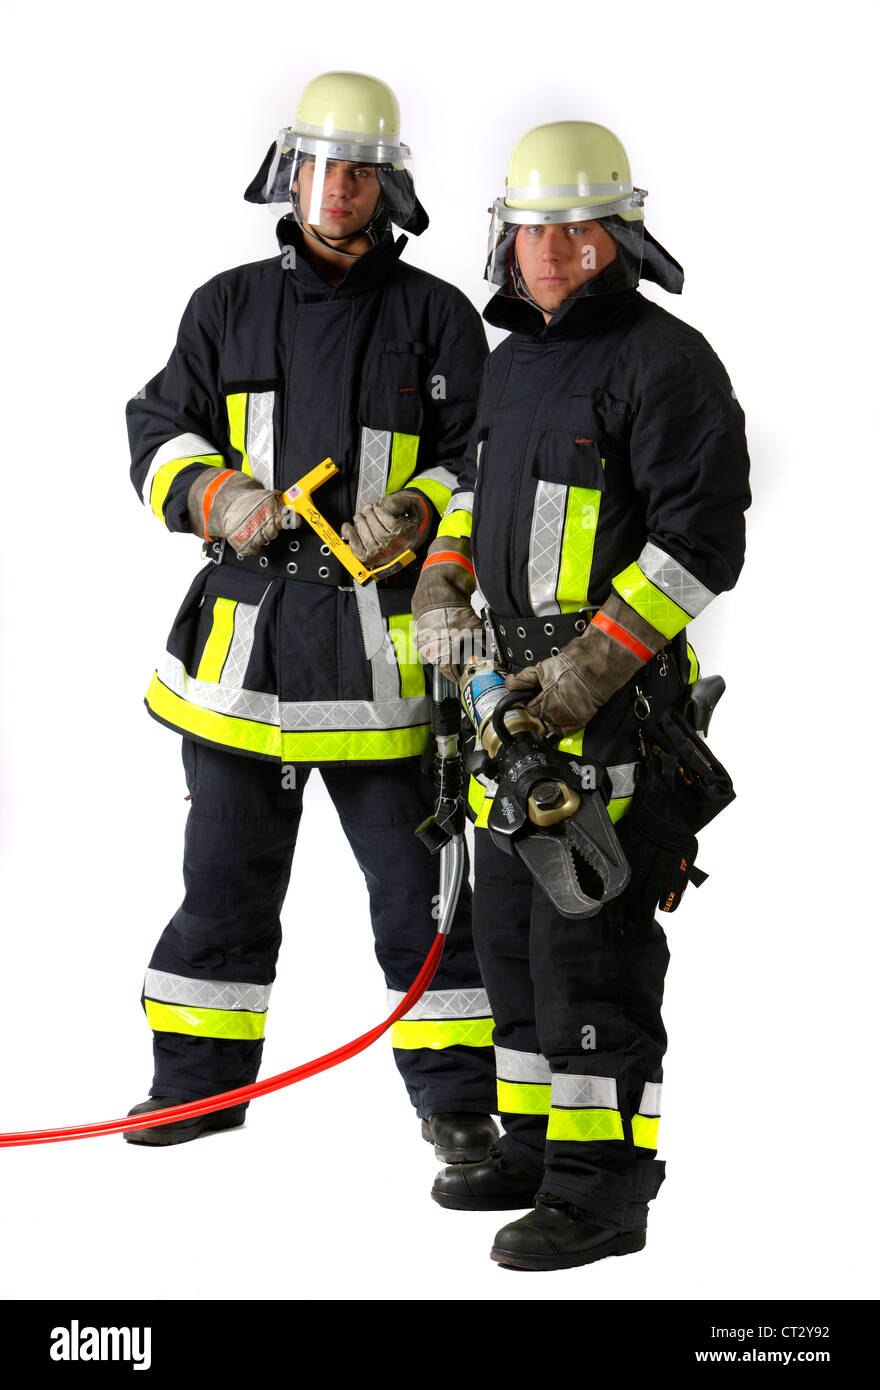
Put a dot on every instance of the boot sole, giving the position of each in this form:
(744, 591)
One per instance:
(627, 1244)
(456, 1203)
(179, 1131)
(453, 1155)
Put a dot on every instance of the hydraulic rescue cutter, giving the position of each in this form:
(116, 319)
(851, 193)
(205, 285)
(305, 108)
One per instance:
(550, 808)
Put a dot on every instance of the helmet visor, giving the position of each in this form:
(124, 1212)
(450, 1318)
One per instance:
(550, 256)
(338, 187)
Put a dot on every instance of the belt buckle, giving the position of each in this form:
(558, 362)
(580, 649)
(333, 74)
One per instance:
(213, 551)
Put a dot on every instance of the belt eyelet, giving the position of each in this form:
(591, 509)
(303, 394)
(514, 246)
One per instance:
(292, 567)
(325, 550)
(502, 630)
(529, 656)
(509, 652)
(520, 632)
(294, 546)
(323, 572)
(580, 625)
(554, 651)
(263, 562)
(548, 628)
(238, 557)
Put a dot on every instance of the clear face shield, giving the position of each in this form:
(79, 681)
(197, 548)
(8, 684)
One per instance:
(550, 255)
(338, 187)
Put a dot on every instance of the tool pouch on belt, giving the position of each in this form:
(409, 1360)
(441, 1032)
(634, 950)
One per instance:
(682, 786)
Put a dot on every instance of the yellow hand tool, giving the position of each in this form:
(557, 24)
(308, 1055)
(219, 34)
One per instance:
(299, 497)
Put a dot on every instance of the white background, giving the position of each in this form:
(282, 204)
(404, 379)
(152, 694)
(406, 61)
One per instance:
(130, 132)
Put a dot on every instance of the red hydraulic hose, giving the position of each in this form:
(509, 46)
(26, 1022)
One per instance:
(259, 1088)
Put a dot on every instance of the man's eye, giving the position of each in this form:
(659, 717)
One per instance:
(363, 172)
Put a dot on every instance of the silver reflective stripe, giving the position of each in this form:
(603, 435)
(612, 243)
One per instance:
(296, 716)
(460, 502)
(674, 580)
(372, 481)
(260, 443)
(545, 546)
(182, 446)
(244, 621)
(206, 994)
(445, 1003)
(570, 190)
(373, 471)
(584, 1092)
(526, 1068)
(439, 475)
(623, 779)
(650, 1101)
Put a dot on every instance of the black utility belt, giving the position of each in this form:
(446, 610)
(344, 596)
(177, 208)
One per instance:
(305, 558)
(521, 641)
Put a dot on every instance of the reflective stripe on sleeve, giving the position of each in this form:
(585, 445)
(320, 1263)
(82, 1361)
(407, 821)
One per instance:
(169, 460)
(662, 591)
(436, 484)
(646, 1124)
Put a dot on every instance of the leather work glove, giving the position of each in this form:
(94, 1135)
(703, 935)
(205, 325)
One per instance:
(385, 529)
(234, 507)
(590, 669)
(448, 631)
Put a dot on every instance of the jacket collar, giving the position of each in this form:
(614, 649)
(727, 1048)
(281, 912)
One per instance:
(370, 270)
(578, 317)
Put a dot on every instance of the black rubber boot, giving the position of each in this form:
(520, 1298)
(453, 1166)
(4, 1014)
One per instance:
(493, 1185)
(181, 1131)
(459, 1138)
(556, 1236)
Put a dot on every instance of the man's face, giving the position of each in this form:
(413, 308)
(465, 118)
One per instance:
(558, 258)
(348, 198)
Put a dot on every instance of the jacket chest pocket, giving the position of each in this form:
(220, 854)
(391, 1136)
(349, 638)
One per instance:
(251, 417)
(391, 418)
(568, 471)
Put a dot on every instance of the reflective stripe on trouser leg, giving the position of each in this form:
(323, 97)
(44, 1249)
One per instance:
(598, 993)
(206, 991)
(502, 908)
(443, 1049)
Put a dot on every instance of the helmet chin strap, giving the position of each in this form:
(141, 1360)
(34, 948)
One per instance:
(369, 230)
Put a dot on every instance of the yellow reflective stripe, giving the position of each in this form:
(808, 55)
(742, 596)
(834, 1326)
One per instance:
(412, 672)
(236, 409)
(355, 745)
(524, 1098)
(459, 523)
(618, 807)
(572, 743)
(645, 1130)
(584, 1125)
(204, 1023)
(404, 451)
(578, 540)
(219, 638)
(650, 602)
(436, 1033)
(438, 493)
(165, 476)
(479, 803)
(693, 665)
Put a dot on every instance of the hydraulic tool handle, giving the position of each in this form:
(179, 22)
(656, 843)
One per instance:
(299, 498)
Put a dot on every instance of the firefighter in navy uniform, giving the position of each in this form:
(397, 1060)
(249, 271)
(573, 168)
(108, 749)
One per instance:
(278, 662)
(605, 489)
